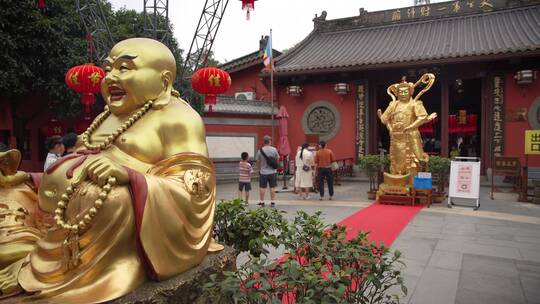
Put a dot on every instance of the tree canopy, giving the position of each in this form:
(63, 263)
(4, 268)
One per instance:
(40, 46)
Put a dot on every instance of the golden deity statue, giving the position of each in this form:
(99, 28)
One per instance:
(134, 202)
(402, 118)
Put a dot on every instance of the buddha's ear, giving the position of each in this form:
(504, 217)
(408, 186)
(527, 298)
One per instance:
(167, 78)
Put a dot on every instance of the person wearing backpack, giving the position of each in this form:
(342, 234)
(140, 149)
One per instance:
(267, 163)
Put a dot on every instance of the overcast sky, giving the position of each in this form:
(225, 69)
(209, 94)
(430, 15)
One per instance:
(290, 21)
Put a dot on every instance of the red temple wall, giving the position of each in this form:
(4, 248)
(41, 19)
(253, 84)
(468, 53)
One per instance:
(35, 108)
(247, 80)
(519, 96)
(343, 144)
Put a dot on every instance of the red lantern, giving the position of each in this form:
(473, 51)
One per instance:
(53, 127)
(83, 124)
(210, 81)
(85, 79)
(248, 6)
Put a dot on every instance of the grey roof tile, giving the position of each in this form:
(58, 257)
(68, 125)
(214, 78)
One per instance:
(230, 105)
(514, 30)
(246, 61)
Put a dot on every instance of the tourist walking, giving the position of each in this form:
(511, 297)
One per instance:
(297, 168)
(244, 179)
(267, 163)
(323, 161)
(56, 149)
(70, 142)
(304, 161)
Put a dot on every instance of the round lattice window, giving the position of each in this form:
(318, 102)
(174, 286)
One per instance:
(321, 118)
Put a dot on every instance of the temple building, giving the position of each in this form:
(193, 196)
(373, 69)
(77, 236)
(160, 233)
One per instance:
(485, 55)
(241, 118)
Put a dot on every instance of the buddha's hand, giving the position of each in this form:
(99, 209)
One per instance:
(379, 113)
(100, 169)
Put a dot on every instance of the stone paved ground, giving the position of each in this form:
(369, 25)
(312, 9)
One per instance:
(456, 255)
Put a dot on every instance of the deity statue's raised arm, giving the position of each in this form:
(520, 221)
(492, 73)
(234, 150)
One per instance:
(135, 201)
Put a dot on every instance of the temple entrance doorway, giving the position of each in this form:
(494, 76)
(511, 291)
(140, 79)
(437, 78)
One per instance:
(464, 117)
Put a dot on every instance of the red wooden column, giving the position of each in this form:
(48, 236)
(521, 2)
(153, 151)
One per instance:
(445, 94)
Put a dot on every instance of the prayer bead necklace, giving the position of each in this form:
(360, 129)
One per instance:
(111, 138)
(87, 218)
(59, 212)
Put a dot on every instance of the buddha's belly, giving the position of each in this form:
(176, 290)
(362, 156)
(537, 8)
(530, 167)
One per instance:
(54, 184)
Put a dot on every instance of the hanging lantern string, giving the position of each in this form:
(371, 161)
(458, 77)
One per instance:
(90, 47)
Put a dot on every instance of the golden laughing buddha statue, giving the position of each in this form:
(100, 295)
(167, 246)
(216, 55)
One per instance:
(135, 201)
(402, 118)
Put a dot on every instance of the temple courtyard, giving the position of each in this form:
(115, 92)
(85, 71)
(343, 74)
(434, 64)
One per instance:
(457, 255)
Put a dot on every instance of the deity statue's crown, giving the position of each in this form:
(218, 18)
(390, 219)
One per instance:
(405, 84)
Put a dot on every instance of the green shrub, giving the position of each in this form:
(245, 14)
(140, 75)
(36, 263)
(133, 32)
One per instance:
(372, 163)
(440, 167)
(247, 229)
(319, 266)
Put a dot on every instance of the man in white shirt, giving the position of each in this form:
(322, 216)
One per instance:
(56, 149)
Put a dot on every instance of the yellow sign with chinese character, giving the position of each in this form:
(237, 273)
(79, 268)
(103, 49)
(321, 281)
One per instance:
(532, 142)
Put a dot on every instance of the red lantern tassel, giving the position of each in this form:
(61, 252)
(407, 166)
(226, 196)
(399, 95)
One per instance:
(41, 4)
(210, 99)
(87, 100)
(248, 6)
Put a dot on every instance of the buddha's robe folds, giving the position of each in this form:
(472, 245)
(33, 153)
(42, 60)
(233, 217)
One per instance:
(156, 227)
(21, 222)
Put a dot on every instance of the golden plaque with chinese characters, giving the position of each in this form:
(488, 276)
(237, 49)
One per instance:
(135, 202)
(402, 117)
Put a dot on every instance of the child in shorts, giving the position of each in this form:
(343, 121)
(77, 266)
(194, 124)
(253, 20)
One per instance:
(244, 181)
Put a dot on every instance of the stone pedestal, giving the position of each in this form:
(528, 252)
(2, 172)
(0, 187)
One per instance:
(184, 288)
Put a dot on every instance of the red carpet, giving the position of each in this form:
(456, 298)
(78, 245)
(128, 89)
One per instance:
(384, 222)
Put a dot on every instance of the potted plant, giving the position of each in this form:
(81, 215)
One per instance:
(372, 166)
(440, 168)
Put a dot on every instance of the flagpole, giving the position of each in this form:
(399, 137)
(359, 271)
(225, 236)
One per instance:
(272, 86)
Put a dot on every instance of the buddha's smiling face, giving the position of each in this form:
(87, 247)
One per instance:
(137, 70)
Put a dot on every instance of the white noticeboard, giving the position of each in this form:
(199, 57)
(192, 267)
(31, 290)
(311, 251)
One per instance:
(230, 147)
(465, 179)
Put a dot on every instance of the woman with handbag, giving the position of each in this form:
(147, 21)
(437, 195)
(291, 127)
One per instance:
(303, 162)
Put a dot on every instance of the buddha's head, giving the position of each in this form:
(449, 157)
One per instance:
(137, 70)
